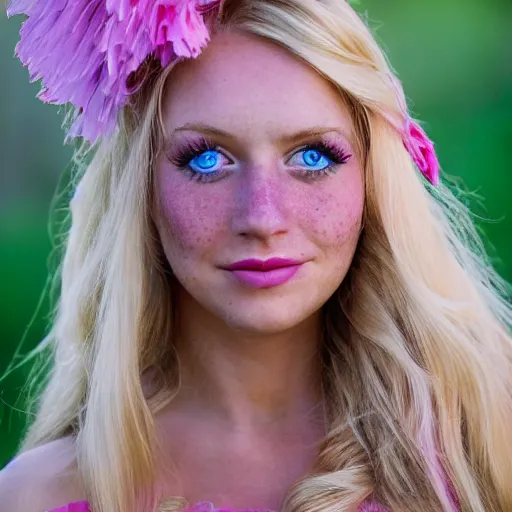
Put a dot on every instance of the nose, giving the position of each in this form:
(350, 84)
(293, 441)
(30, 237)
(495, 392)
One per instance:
(259, 205)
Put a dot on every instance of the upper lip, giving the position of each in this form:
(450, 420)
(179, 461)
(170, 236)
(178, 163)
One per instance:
(262, 265)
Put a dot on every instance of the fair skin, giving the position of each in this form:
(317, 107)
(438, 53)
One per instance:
(249, 356)
(248, 418)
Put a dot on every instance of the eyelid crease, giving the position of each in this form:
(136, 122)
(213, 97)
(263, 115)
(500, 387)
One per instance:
(284, 140)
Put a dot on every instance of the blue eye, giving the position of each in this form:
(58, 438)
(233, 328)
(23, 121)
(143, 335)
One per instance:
(202, 160)
(313, 159)
(207, 162)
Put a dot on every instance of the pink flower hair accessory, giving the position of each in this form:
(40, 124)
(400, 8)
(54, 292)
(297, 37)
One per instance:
(421, 149)
(85, 51)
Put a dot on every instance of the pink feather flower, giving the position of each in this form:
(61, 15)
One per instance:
(84, 51)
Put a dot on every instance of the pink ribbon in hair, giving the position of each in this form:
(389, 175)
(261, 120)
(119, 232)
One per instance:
(421, 149)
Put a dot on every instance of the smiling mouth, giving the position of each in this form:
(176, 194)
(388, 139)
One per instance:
(264, 274)
(263, 265)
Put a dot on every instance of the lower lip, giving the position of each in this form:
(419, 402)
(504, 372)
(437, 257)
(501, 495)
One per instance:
(266, 279)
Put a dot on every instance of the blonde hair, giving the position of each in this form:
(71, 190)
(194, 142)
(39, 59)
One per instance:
(417, 348)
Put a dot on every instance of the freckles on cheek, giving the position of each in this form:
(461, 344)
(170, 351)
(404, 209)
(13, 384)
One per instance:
(334, 219)
(192, 217)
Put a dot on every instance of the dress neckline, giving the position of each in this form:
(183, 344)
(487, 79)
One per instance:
(205, 506)
(200, 506)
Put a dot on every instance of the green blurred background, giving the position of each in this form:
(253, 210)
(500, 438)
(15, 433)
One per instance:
(453, 56)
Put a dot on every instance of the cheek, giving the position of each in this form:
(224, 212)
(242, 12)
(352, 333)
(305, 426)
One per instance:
(333, 215)
(188, 222)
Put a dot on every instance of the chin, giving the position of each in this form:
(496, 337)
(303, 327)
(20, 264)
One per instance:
(263, 326)
(267, 317)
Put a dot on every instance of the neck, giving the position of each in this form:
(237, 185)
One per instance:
(250, 381)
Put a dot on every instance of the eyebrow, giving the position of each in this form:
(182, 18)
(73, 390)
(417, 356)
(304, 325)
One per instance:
(287, 139)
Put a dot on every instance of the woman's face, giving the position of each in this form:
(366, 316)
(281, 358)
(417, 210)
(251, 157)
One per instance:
(260, 163)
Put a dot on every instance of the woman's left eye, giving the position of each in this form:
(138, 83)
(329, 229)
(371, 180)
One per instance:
(319, 159)
(312, 158)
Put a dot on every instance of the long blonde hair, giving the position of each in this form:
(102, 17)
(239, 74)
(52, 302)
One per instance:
(417, 347)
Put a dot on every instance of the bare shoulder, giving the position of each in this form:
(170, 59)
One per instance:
(41, 479)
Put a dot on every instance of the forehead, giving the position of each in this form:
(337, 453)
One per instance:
(242, 82)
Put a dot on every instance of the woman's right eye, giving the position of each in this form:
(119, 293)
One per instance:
(202, 160)
(209, 162)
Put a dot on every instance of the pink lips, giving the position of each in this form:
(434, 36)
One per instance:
(264, 274)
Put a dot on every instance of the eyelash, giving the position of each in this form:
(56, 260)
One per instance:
(196, 148)
(337, 156)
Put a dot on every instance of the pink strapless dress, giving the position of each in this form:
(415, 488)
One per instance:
(205, 506)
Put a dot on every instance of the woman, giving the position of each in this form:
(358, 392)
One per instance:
(263, 303)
